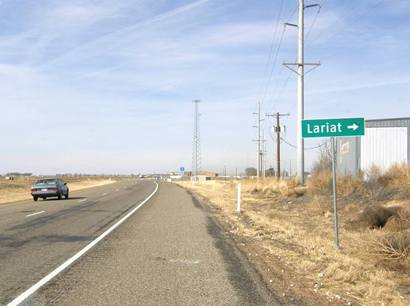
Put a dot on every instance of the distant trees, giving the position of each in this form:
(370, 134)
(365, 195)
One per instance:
(18, 174)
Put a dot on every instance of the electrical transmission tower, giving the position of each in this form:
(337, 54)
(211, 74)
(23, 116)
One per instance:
(196, 146)
(259, 141)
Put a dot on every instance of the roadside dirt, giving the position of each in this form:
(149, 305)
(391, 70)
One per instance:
(280, 277)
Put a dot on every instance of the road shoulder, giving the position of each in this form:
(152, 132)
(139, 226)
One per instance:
(286, 285)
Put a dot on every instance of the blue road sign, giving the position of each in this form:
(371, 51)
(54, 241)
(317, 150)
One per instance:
(182, 169)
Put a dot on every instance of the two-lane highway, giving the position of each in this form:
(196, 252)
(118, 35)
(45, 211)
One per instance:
(142, 245)
(36, 237)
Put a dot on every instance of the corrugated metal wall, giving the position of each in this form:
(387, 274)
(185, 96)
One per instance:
(394, 122)
(383, 147)
(387, 141)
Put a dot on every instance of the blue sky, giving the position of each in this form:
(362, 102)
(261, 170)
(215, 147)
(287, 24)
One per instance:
(106, 86)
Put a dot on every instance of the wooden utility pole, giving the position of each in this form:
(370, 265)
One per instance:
(278, 139)
(277, 129)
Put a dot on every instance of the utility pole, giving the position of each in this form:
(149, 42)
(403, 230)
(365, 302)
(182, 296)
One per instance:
(264, 153)
(196, 145)
(278, 139)
(300, 160)
(259, 142)
(301, 94)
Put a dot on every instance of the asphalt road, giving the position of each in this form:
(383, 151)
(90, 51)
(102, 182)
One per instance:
(170, 252)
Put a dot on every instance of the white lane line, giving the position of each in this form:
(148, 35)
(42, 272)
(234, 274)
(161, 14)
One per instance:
(72, 259)
(82, 200)
(104, 194)
(37, 213)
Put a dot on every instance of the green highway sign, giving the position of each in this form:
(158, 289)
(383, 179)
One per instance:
(343, 127)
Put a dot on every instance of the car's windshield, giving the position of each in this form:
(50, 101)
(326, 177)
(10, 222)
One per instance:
(46, 182)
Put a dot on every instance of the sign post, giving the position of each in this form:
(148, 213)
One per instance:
(335, 215)
(344, 127)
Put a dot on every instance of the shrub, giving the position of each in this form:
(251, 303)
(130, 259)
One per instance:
(399, 222)
(398, 175)
(393, 246)
(320, 182)
(376, 216)
(349, 185)
(324, 161)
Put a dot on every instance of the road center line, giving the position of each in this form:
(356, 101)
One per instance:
(72, 259)
(37, 213)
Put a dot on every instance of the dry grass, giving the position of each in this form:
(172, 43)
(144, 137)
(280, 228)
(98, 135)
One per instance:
(398, 176)
(393, 247)
(394, 183)
(294, 225)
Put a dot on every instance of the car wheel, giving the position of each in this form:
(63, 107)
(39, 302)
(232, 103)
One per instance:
(59, 196)
(35, 199)
(66, 195)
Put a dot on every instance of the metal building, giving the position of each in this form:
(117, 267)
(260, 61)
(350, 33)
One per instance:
(386, 142)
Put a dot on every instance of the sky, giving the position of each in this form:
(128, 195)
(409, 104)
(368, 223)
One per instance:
(103, 86)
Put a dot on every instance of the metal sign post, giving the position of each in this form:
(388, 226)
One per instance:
(335, 217)
(344, 127)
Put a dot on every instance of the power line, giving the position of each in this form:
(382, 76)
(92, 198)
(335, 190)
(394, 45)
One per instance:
(314, 20)
(281, 90)
(356, 17)
(273, 65)
(290, 17)
(264, 85)
(292, 13)
(306, 149)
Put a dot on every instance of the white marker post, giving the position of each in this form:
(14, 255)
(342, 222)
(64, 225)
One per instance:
(238, 198)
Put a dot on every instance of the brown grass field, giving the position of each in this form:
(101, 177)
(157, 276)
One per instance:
(19, 188)
(283, 225)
